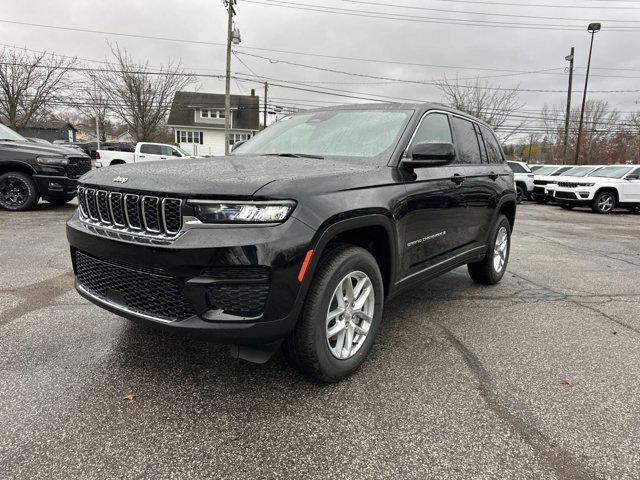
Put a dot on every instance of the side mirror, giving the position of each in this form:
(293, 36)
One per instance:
(429, 154)
(633, 177)
(176, 154)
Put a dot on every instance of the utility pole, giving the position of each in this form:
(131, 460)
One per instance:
(266, 88)
(97, 110)
(593, 28)
(530, 147)
(566, 120)
(227, 91)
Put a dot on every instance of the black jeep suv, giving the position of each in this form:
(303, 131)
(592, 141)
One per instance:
(302, 233)
(29, 171)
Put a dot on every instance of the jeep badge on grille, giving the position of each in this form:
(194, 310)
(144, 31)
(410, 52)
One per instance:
(120, 179)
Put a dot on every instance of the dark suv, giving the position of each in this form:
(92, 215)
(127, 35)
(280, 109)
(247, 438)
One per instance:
(302, 233)
(30, 171)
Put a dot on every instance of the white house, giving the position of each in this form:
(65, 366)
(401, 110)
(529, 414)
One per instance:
(197, 120)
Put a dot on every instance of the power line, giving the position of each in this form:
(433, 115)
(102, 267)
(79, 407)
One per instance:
(421, 82)
(293, 52)
(543, 5)
(421, 19)
(447, 10)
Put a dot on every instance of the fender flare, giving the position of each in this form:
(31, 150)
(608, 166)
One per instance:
(332, 228)
(18, 163)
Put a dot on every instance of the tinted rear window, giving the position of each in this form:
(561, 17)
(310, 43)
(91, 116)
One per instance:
(466, 141)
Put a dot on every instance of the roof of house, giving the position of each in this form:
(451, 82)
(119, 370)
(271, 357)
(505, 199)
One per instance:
(246, 108)
(51, 125)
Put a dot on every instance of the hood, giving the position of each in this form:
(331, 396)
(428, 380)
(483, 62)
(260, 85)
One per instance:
(39, 149)
(229, 176)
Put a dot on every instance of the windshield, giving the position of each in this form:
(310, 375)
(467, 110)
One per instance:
(182, 151)
(7, 134)
(544, 170)
(578, 171)
(350, 133)
(612, 172)
(560, 171)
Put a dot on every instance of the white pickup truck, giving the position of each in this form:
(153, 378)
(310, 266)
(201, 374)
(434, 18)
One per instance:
(145, 152)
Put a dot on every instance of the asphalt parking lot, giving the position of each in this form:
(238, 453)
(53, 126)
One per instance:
(537, 377)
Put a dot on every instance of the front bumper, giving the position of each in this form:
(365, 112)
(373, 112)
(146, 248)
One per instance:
(56, 186)
(210, 272)
(579, 196)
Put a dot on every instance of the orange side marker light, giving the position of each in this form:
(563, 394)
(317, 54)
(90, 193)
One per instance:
(305, 264)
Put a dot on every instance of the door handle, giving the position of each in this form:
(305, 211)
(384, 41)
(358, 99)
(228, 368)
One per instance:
(493, 176)
(163, 158)
(141, 156)
(457, 178)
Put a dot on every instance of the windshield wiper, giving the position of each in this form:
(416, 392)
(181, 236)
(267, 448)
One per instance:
(294, 155)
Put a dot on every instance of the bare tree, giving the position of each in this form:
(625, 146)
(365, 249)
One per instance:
(602, 129)
(139, 96)
(30, 84)
(493, 104)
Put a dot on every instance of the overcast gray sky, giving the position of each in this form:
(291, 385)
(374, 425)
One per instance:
(481, 49)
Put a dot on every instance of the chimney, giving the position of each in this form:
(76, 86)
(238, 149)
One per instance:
(253, 92)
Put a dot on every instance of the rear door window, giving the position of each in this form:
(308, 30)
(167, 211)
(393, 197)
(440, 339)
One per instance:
(466, 141)
(494, 151)
(150, 149)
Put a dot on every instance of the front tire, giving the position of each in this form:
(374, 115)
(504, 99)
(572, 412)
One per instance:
(18, 192)
(492, 267)
(604, 203)
(341, 315)
(520, 193)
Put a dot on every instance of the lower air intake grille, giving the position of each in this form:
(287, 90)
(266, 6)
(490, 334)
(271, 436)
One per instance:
(567, 195)
(142, 292)
(240, 300)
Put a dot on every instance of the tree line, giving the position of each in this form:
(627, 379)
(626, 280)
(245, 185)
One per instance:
(119, 94)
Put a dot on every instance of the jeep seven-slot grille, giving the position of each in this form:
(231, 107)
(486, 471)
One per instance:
(136, 213)
(140, 291)
(568, 184)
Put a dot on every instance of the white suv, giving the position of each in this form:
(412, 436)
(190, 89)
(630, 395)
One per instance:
(544, 176)
(603, 190)
(568, 176)
(523, 178)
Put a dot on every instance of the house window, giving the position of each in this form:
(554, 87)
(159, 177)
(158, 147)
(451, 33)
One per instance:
(189, 137)
(208, 113)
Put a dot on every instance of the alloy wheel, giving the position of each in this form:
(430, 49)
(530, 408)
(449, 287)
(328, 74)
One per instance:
(350, 315)
(14, 192)
(500, 249)
(605, 202)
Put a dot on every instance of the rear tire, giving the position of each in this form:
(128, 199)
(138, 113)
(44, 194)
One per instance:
(604, 203)
(492, 267)
(18, 192)
(520, 194)
(311, 347)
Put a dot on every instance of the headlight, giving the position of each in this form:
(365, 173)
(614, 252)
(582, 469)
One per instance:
(61, 161)
(243, 212)
(586, 184)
